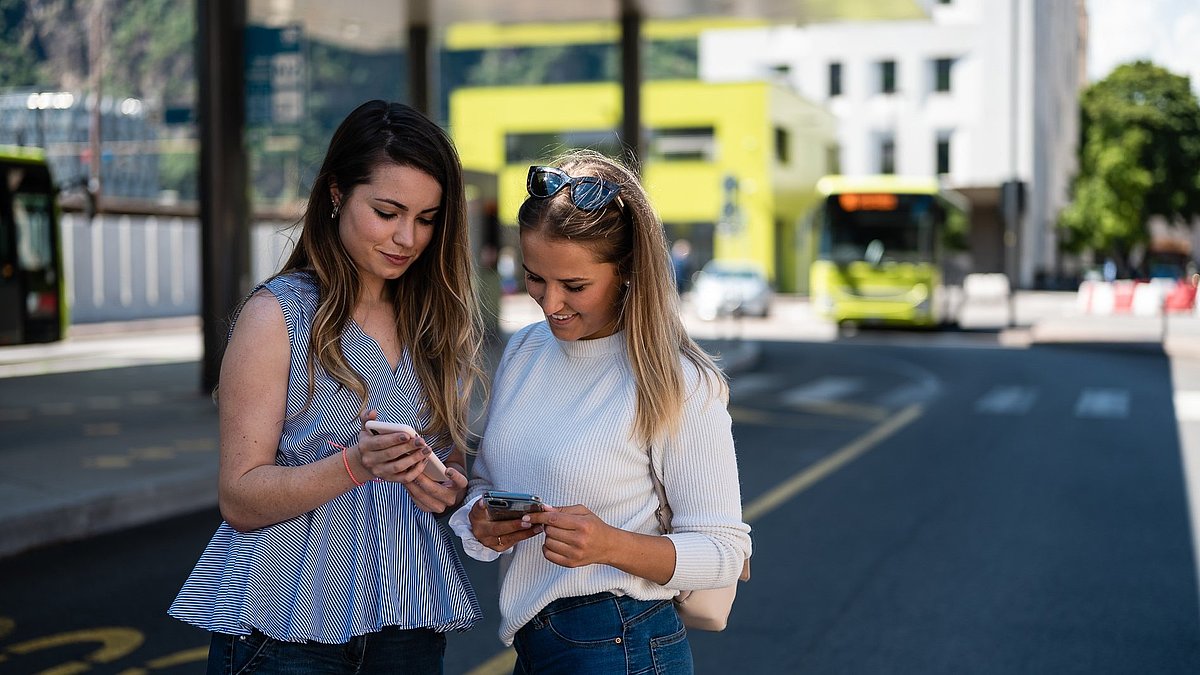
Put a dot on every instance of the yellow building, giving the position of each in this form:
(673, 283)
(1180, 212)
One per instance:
(731, 167)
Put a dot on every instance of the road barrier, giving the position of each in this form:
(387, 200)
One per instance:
(1136, 297)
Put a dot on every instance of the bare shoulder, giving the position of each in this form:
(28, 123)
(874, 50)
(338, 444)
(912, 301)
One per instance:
(260, 325)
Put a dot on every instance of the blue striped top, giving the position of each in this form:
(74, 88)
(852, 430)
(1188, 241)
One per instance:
(365, 560)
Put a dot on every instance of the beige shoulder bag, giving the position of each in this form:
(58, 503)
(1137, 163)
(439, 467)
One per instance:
(706, 609)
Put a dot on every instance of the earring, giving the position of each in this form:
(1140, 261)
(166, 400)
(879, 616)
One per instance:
(336, 207)
(626, 282)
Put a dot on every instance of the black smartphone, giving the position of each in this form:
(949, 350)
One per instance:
(510, 505)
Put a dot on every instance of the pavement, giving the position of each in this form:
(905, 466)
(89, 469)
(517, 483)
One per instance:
(62, 480)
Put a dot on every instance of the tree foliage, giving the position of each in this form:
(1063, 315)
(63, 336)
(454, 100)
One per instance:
(147, 53)
(1139, 156)
(20, 51)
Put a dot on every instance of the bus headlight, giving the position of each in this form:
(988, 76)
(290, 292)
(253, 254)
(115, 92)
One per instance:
(919, 294)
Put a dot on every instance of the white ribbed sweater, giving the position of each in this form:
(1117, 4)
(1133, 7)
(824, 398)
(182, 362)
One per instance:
(560, 425)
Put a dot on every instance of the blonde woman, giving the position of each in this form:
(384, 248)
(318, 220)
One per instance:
(578, 402)
(330, 558)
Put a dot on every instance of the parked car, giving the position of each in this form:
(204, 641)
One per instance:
(728, 288)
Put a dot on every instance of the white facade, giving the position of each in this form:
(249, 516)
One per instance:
(1010, 111)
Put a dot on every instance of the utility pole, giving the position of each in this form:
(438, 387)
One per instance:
(96, 63)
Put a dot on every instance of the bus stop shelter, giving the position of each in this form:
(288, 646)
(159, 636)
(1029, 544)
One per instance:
(225, 208)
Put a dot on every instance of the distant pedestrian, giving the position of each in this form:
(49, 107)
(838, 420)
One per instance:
(586, 406)
(331, 558)
(681, 264)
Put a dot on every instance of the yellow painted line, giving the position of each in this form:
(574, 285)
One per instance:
(196, 655)
(813, 474)
(503, 662)
(497, 665)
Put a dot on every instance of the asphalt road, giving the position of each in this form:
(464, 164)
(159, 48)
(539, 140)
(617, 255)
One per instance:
(916, 509)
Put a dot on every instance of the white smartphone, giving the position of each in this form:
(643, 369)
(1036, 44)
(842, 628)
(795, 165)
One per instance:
(433, 466)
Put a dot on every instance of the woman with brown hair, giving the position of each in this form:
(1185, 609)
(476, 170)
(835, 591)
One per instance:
(330, 558)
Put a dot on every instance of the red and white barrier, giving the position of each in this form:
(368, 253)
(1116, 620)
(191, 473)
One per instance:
(1136, 297)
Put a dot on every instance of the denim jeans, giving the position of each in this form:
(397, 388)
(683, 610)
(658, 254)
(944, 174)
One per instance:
(392, 650)
(604, 634)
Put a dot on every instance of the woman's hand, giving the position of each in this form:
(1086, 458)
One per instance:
(575, 536)
(434, 497)
(499, 535)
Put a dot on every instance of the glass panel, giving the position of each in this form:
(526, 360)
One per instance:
(902, 224)
(307, 65)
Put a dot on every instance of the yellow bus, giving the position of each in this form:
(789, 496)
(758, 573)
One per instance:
(878, 246)
(32, 287)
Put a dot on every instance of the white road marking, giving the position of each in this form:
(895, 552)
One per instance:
(822, 390)
(1103, 404)
(1007, 400)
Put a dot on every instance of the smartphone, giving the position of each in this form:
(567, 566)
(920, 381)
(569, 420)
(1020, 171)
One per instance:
(433, 466)
(510, 505)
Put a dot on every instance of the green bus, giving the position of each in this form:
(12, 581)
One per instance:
(879, 245)
(32, 286)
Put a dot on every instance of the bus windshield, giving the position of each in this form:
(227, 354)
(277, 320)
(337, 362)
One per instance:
(879, 228)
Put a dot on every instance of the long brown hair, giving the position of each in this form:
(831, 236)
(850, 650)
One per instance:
(628, 234)
(437, 311)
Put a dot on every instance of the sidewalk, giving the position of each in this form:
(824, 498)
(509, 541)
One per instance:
(68, 480)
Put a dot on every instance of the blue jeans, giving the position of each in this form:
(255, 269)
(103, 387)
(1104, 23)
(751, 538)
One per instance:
(604, 634)
(392, 650)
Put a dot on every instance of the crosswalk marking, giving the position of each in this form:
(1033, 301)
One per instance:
(1007, 400)
(821, 391)
(750, 384)
(1103, 403)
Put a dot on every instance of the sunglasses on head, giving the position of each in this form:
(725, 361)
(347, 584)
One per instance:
(588, 193)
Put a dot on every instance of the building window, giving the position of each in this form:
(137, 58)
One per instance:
(833, 158)
(887, 77)
(782, 143)
(887, 155)
(941, 74)
(535, 147)
(682, 144)
(943, 153)
(835, 79)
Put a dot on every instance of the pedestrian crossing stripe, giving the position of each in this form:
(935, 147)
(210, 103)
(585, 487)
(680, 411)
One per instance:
(1103, 404)
(1007, 400)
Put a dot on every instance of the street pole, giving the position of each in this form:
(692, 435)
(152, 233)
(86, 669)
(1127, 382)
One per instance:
(96, 75)
(1010, 196)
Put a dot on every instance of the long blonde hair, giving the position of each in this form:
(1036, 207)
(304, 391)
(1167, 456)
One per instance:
(437, 312)
(628, 233)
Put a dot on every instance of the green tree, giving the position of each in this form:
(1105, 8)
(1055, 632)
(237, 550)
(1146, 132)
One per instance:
(19, 48)
(1139, 156)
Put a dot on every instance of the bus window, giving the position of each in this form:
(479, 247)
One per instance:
(31, 279)
(900, 228)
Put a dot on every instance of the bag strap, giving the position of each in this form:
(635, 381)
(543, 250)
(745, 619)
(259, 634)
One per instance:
(663, 513)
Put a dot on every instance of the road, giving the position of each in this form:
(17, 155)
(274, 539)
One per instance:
(919, 503)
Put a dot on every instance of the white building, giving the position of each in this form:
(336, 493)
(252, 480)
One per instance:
(983, 92)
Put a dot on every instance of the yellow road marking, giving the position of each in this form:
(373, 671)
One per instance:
(503, 661)
(805, 479)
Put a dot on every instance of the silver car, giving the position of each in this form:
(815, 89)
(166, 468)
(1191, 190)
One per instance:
(731, 288)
